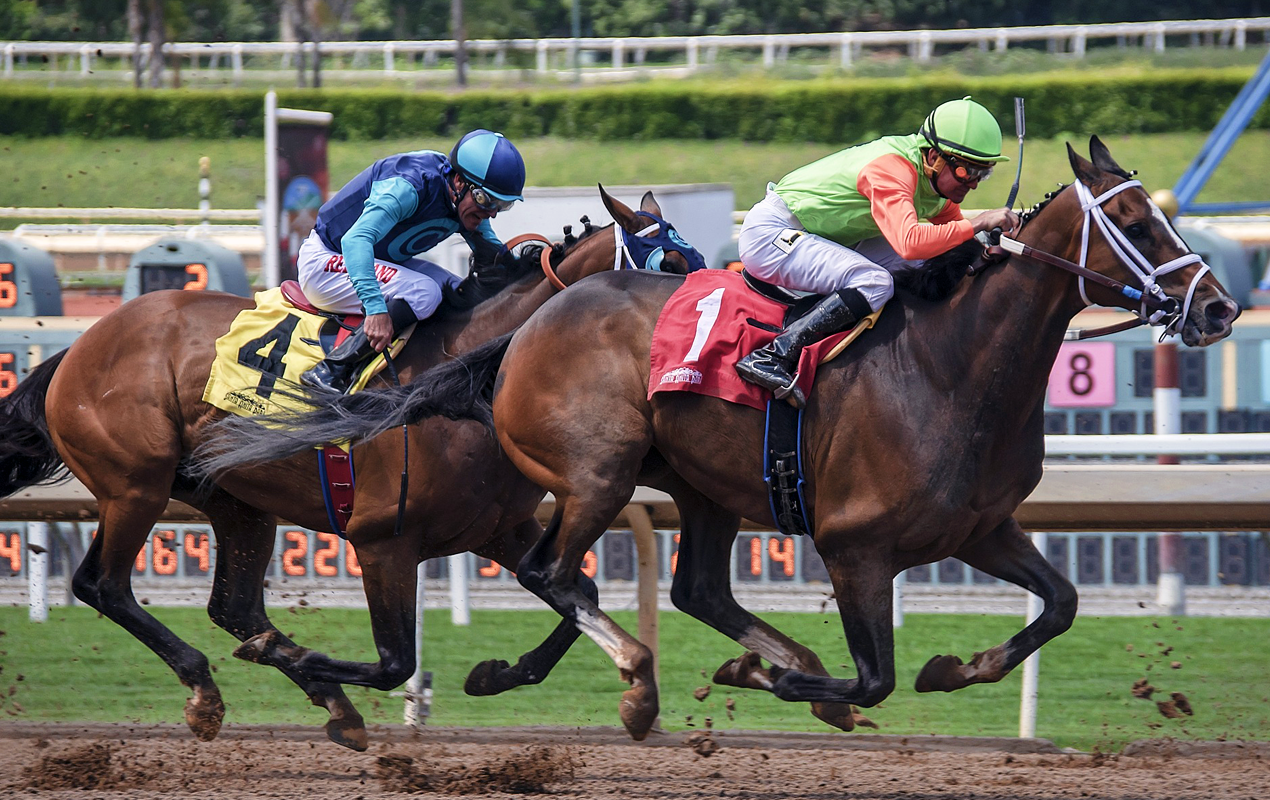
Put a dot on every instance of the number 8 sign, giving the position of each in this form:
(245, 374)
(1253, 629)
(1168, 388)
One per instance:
(1083, 376)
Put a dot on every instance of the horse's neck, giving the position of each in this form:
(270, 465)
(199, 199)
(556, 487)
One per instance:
(439, 340)
(996, 340)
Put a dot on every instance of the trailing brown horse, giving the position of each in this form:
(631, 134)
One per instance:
(122, 409)
(919, 442)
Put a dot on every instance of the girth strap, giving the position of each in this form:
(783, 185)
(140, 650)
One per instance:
(783, 468)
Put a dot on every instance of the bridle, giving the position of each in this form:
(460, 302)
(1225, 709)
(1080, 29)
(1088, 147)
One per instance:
(1154, 306)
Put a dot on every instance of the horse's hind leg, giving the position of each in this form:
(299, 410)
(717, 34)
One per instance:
(244, 545)
(104, 581)
(702, 588)
(1007, 553)
(496, 676)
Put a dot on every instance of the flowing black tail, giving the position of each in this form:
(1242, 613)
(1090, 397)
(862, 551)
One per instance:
(27, 455)
(458, 389)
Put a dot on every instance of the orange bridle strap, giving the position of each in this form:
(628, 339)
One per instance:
(546, 255)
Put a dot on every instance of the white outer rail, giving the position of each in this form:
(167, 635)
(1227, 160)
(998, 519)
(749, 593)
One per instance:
(920, 44)
(1177, 444)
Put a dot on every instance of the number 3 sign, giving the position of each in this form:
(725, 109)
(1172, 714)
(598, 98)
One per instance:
(1084, 375)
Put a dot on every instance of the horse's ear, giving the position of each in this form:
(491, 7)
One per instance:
(1103, 160)
(622, 214)
(648, 204)
(1085, 171)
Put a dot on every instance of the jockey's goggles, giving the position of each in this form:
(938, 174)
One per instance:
(486, 201)
(967, 171)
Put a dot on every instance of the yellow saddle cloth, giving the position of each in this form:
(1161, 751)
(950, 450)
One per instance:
(267, 348)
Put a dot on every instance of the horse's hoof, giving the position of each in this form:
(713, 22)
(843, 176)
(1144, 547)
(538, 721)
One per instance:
(203, 713)
(258, 649)
(745, 672)
(348, 732)
(941, 674)
(638, 710)
(839, 715)
(488, 678)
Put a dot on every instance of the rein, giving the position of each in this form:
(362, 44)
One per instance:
(1155, 307)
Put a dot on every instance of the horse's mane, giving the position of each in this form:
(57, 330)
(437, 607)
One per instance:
(484, 282)
(937, 278)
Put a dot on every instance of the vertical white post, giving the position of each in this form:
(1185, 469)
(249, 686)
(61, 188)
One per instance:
(236, 59)
(619, 53)
(1032, 664)
(390, 64)
(460, 614)
(541, 56)
(769, 52)
(419, 687)
(8, 60)
(692, 53)
(1167, 395)
(897, 600)
(85, 61)
(37, 570)
(270, 271)
(205, 188)
(845, 56)
(647, 574)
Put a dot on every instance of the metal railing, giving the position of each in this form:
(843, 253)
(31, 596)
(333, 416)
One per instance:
(691, 52)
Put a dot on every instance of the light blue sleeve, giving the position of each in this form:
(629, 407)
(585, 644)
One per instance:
(485, 244)
(390, 202)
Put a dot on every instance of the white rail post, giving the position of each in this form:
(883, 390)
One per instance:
(845, 55)
(1003, 40)
(236, 60)
(1078, 43)
(37, 570)
(460, 611)
(419, 687)
(1171, 587)
(541, 55)
(1031, 664)
(897, 600)
(271, 269)
(619, 53)
(390, 62)
(85, 61)
(8, 60)
(692, 54)
(205, 188)
(769, 52)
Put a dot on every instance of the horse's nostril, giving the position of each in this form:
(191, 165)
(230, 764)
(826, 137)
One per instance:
(1222, 311)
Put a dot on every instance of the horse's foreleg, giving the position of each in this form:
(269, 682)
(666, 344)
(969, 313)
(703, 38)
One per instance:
(496, 676)
(550, 569)
(244, 545)
(389, 580)
(862, 588)
(1007, 553)
(702, 588)
(104, 581)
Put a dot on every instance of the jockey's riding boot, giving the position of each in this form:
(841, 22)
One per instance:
(774, 366)
(336, 372)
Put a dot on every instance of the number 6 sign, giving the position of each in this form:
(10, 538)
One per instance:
(1084, 376)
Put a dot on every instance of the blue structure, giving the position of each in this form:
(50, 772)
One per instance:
(1219, 143)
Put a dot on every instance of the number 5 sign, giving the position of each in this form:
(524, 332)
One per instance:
(1084, 375)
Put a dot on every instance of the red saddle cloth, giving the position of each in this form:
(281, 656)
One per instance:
(702, 332)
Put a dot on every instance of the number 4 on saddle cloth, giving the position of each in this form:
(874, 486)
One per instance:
(713, 321)
(266, 350)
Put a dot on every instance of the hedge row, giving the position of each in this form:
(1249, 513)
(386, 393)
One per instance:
(814, 111)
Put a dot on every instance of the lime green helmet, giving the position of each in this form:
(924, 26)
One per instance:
(964, 128)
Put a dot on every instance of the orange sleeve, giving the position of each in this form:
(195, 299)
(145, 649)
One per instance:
(890, 182)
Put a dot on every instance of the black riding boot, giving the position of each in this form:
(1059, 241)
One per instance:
(336, 372)
(773, 366)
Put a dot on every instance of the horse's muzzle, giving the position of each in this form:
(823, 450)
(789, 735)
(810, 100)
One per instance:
(1210, 321)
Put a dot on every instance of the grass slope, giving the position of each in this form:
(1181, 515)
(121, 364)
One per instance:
(75, 172)
(81, 667)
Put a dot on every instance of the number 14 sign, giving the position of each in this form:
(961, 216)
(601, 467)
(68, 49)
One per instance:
(1083, 376)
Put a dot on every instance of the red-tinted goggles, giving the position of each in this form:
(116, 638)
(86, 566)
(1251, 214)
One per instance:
(967, 171)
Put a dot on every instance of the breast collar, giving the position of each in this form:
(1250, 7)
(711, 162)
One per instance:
(646, 248)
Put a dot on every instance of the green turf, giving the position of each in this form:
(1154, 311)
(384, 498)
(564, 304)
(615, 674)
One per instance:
(81, 667)
(75, 172)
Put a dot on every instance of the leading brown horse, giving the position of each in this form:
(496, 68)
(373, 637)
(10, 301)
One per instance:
(919, 442)
(122, 409)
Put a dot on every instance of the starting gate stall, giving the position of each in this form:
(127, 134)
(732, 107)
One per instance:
(185, 264)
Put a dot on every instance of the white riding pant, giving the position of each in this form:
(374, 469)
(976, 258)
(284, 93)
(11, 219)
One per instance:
(812, 263)
(324, 280)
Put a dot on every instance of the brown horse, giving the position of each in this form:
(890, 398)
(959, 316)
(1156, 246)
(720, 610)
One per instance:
(122, 409)
(919, 443)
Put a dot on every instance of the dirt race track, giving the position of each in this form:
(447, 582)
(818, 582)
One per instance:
(74, 762)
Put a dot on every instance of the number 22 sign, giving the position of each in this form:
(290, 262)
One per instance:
(1084, 375)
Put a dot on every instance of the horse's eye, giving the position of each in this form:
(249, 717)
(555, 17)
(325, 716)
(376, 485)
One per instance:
(1136, 231)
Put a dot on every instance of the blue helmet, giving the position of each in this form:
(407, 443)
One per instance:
(490, 161)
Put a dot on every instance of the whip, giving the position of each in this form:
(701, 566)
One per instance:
(1020, 128)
